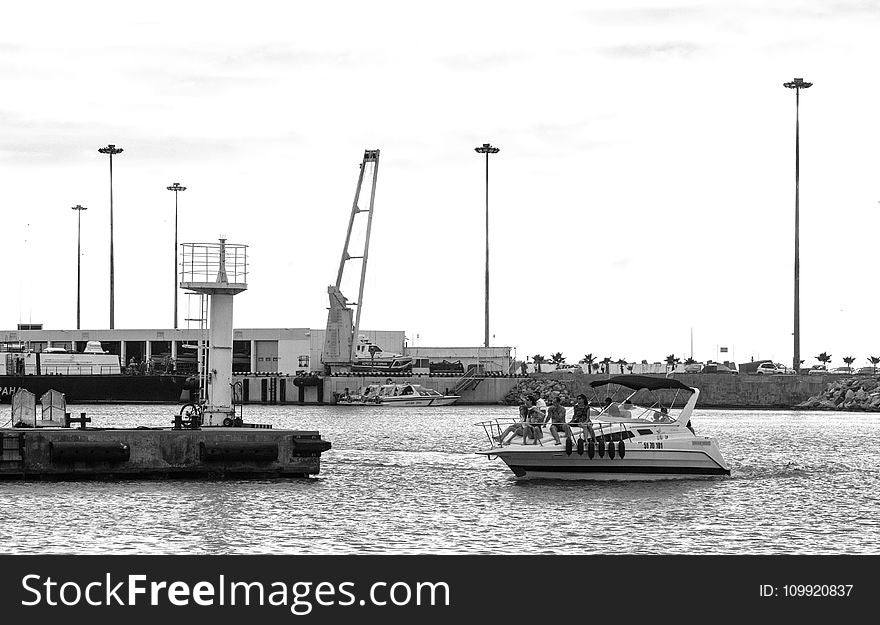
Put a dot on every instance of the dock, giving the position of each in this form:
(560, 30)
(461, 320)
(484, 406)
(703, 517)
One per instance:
(71, 453)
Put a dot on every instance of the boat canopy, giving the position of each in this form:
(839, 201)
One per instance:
(637, 382)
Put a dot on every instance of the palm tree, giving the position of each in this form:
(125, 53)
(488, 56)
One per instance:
(849, 360)
(690, 361)
(539, 360)
(557, 358)
(622, 363)
(630, 367)
(671, 361)
(589, 360)
(824, 358)
(606, 364)
(874, 360)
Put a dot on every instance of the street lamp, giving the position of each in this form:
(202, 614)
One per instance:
(111, 150)
(797, 84)
(487, 149)
(176, 188)
(79, 209)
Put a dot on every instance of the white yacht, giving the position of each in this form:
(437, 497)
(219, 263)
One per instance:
(391, 394)
(630, 442)
(370, 357)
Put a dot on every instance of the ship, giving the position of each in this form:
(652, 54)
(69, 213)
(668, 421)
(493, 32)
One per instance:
(369, 357)
(91, 376)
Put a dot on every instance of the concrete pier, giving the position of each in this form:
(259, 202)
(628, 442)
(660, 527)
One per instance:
(61, 453)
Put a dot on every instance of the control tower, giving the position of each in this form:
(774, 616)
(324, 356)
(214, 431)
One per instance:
(217, 271)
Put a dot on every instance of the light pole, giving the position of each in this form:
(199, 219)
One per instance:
(797, 84)
(111, 150)
(176, 188)
(79, 209)
(487, 149)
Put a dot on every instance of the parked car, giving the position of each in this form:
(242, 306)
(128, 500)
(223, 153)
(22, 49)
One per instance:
(693, 368)
(569, 367)
(818, 370)
(867, 371)
(772, 368)
(841, 371)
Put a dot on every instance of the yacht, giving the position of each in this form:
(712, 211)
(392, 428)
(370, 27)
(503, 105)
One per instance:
(630, 442)
(370, 357)
(390, 394)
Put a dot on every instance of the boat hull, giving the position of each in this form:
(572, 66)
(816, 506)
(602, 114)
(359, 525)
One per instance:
(158, 388)
(637, 464)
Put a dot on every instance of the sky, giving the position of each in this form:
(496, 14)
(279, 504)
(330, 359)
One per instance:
(643, 192)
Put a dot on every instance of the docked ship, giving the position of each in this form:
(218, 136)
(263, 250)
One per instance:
(92, 376)
(370, 357)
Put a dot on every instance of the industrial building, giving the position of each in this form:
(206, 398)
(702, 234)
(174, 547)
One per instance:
(259, 350)
(289, 351)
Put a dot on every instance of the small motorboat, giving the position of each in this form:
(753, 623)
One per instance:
(628, 442)
(391, 394)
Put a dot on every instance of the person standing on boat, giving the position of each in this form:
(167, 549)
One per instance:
(557, 419)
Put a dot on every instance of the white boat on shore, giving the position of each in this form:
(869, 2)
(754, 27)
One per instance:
(390, 394)
(370, 357)
(643, 443)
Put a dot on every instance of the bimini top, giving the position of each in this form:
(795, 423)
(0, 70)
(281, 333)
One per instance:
(637, 382)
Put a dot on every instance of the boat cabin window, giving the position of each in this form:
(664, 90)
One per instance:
(645, 432)
(407, 390)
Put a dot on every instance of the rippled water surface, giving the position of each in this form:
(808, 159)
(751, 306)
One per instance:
(404, 480)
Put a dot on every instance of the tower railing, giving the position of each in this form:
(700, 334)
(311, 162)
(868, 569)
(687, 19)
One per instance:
(209, 262)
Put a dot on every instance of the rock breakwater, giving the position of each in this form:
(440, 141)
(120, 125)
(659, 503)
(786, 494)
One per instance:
(847, 394)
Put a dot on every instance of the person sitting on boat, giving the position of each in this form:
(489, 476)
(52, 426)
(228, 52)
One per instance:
(557, 419)
(610, 409)
(626, 408)
(536, 418)
(516, 429)
(662, 416)
(581, 417)
(541, 405)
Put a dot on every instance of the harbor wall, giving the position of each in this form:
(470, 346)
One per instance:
(718, 390)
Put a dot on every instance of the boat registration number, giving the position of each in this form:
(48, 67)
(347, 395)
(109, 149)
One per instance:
(652, 445)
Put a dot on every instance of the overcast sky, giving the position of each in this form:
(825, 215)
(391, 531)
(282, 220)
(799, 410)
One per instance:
(645, 184)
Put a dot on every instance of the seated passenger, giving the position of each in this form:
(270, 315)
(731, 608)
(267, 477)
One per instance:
(537, 418)
(626, 409)
(662, 416)
(581, 417)
(610, 408)
(557, 419)
(515, 429)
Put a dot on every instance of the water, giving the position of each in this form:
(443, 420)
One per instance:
(407, 481)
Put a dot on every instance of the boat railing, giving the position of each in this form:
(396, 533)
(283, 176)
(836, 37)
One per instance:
(496, 429)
